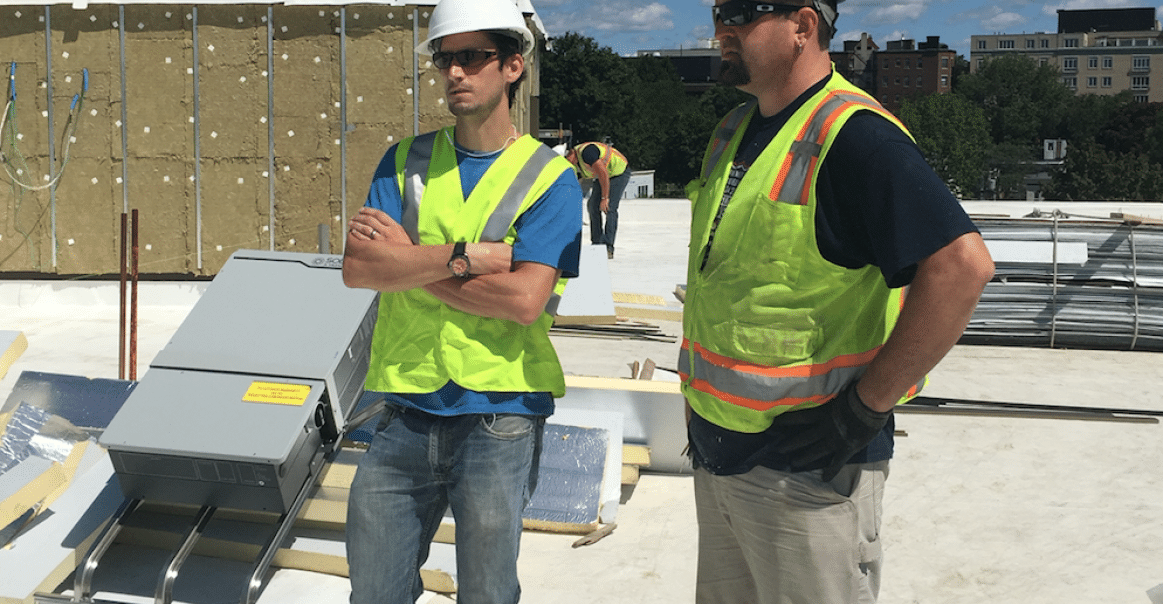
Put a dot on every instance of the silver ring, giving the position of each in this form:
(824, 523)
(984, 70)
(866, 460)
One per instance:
(373, 233)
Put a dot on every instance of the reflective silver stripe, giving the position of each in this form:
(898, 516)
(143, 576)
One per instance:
(415, 177)
(807, 148)
(505, 213)
(725, 133)
(769, 388)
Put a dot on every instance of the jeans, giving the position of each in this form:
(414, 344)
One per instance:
(769, 537)
(484, 467)
(600, 234)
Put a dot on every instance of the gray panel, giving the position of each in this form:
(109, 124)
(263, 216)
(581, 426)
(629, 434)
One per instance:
(202, 414)
(271, 313)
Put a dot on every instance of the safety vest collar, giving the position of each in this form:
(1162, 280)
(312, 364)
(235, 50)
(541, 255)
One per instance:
(419, 168)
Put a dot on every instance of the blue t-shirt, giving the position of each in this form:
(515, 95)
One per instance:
(878, 203)
(549, 233)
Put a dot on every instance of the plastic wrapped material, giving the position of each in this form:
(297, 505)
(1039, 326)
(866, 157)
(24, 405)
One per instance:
(25, 424)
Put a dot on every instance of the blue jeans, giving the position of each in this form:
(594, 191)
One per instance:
(482, 466)
(600, 234)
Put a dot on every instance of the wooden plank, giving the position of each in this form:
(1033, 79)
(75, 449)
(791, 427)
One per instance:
(626, 298)
(12, 345)
(317, 562)
(636, 455)
(630, 475)
(652, 314)
(1127, 218)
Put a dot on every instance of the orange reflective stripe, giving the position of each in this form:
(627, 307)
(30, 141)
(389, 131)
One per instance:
(795, 371)
(757, 405)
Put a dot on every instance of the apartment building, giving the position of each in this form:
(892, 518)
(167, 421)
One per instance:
(906, 68)
(1100, 51)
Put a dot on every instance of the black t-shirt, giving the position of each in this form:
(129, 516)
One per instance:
(877, 203)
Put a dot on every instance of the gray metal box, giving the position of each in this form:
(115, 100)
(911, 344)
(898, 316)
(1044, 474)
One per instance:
(251, 389)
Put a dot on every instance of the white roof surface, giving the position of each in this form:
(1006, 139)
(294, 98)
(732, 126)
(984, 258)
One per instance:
(977, 509)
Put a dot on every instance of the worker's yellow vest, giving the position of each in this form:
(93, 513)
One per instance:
(769, 324)
(616, 167)
(420, 343)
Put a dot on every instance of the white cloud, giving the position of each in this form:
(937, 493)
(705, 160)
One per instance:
(1003, 21)
(895, 12)
(652, 17)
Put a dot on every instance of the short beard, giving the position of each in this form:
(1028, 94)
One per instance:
(733, 73)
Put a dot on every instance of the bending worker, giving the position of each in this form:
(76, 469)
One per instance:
(609, 166)
(814, 209)
(466, 232)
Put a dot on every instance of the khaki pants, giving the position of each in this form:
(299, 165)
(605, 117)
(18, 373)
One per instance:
(768, 537)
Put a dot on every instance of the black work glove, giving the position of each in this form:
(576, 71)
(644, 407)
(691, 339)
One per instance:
(834, 432)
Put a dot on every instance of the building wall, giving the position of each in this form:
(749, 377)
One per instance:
(222, 150)
(904, 74)
(1116, 61)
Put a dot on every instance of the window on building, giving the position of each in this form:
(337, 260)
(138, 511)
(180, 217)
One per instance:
(886, 63)
(1141, 83)
(920, 63)
(1070, 64)
(1141, 98)
(1042, 62)
(1108, 62)
(884, 81)
(944, 81)
(1141, 63)
(980, 63)
(1092, 82)
(906, 81)
(981, 44)
(1029, 43)
(897, 81)
(1045, 43)
(643, 191)
(1005, 44)
(1071, 83)
(898, 62)
(1107, 82)
(1092, 62)
(1071, 43)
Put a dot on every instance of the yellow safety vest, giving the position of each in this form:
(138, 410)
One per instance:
(769, 324)
(420, 343)
(616, 167)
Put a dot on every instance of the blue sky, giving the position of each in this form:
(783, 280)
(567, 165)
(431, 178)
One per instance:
(627, 26)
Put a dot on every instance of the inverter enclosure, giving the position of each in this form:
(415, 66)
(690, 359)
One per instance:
(251, 389)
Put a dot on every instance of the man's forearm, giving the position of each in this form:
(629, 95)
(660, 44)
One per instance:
(518, 296)
(939, 304)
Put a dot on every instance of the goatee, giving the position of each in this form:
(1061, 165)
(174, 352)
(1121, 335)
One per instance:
(733, 73)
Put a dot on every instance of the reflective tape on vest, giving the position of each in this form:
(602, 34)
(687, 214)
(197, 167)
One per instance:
(793, 185)
(752, 385)
(725, 133)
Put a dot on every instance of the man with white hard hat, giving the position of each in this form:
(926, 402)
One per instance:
(813, 210)
(466, 232)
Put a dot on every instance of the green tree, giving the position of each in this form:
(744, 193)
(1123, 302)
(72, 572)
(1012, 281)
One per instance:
(1093, 172)
(1023, 101)
(584, 88)
(954, 136)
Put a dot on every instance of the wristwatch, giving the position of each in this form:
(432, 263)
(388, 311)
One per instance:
(459, 263)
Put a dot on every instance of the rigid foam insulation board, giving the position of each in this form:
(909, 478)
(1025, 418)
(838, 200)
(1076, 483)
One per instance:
(42, 556)
(612, 473)
(12, 345)
(569, 483)
(652, 413)
(588, 299)
(88, 404)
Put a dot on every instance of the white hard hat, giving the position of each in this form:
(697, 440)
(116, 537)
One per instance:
(462, 16)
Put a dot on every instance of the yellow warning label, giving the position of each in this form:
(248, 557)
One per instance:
(277, 394)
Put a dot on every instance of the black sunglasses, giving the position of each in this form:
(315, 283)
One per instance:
(469, 59)
(742, 12)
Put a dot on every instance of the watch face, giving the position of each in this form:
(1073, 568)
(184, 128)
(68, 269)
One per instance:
(458, 266)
